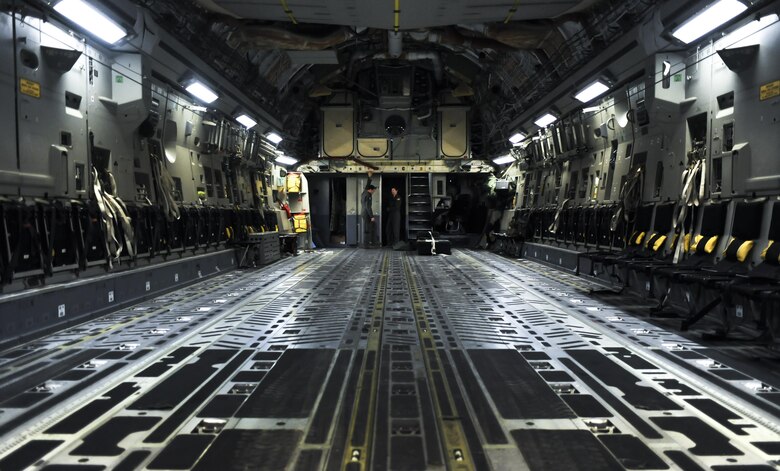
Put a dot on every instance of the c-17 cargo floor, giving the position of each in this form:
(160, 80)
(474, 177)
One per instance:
(358, 359)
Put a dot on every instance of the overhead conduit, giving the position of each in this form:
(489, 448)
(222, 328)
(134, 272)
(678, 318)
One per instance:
(277, 37)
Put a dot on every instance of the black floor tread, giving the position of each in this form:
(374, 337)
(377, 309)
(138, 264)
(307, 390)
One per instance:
(266, 450)
(515, 387)
(572, 450)
(290, 389)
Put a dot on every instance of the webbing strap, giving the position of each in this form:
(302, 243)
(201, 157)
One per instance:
(107, 219)
(113, 212)
(692, 195)
(16, 251)
(165, 185)
(51, 239)
(556, 219)
(124, 218)
(628, 199)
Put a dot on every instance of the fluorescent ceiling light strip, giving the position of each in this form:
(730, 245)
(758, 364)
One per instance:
(201, 92)
(592, 91)
(732, 39)
(246, 121)
(545, 120)
(591, 109)
(274, 137)
(91, 19)
(54, 36)
(516, 138)
(285, 160)
(504, 159)
(708, 20)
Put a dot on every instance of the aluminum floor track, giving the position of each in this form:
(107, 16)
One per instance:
(355, 359)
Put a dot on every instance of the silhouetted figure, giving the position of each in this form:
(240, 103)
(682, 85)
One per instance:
(393, 228)
(369, 226)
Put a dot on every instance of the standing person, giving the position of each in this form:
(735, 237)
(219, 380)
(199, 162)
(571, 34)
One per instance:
(393, 229)
(369, 226)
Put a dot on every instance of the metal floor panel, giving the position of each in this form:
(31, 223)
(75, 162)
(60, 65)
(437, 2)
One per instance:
(370, 359)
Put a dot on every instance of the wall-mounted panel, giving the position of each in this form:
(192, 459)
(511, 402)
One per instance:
(454, 131)
(51, 113)
(372, 147)
(8, 163)
(107, 112)
(338, 131)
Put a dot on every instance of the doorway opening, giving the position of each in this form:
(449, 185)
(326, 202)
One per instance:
(328, 203)
(338, 212)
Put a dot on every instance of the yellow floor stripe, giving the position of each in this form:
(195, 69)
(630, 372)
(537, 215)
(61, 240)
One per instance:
(358, 458)
(456, 449)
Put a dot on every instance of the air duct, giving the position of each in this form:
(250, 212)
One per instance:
(524, 35)
(434, 57)
(452, 38)
(275, 37)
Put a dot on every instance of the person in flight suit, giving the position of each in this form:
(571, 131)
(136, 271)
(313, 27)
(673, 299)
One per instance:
(369, 226)
(393, 229)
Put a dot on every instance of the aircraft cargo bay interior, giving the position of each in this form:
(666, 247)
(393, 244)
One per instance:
(389, 235)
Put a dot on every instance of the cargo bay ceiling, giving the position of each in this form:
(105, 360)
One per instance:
(497, 57)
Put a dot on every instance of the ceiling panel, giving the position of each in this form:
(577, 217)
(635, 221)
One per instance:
(379, 13)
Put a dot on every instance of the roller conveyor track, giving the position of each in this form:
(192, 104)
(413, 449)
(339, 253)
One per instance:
(359, 359)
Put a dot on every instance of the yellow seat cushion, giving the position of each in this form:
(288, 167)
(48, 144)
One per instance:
(712, 242)
(649, 240)
(766, 249)
(739, 249)
(695, 243)
(659, 242)
(744, 250)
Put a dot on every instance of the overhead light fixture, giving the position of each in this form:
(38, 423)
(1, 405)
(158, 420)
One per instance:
(545, 120)
(591, 109)
(592, 91)
(246, 121)
(735, 37)
(516, 138)
(285, 160)
(274, 137)
(56, 37)
(504, 159)
(198, 108)
(91, 20)
(708, 19)
(201, 92)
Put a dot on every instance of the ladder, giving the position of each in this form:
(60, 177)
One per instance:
(419, 205)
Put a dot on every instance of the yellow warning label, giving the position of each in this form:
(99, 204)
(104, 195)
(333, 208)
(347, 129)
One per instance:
(28, 87)
(769, 90)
